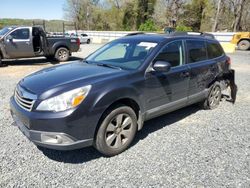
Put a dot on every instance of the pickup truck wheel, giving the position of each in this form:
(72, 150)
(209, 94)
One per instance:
(214, 97)
(117, 130)
(244, 45)
(62, 54)
(88, 41)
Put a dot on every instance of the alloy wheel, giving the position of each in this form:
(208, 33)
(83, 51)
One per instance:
(119, 130)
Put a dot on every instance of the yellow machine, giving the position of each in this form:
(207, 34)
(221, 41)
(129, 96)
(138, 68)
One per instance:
(242, 40)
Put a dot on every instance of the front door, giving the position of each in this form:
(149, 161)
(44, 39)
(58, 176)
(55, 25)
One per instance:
(18, 43)
(166, 91)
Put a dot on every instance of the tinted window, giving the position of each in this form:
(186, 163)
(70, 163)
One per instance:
(84, 35)
(196, 51)
(20, 34)
(172, 53)
(214, 50)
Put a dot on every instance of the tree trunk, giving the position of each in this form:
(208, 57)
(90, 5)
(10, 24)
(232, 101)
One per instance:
(238, 15)
(216, 17)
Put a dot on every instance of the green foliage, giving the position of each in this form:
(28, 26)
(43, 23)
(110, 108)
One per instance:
(183, 28)
(149, 25)
(50, 25)
(149, 15)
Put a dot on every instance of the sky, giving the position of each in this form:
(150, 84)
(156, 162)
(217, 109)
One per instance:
(32, 9)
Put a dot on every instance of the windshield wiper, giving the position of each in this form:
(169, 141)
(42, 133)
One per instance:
(108, 65)
(85, 61)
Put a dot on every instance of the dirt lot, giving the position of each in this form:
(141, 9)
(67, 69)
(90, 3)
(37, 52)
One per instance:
(187, 148)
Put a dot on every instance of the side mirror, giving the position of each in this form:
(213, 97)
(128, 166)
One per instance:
(10, 38)
(161, 66)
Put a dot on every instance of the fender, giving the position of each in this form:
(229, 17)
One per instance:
(57, 45)
(229, 78)
(114, 94)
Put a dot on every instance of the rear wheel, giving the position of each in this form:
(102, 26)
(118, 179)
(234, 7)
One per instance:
(244, 45)
(117, 130)
(88, 41)
(214, 97)
(62, 54)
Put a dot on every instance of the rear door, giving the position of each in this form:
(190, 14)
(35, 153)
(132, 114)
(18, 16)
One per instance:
(166, 91)
(18, 43)
(202, 69)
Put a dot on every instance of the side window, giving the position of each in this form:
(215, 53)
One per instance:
(21, 34)
(172, 53)
(214, 50)
(196, 50)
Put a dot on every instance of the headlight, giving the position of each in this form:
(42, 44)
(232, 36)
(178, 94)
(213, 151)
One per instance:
(64, 101)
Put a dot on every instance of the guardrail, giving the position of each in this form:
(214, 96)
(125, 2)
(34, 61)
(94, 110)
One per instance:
(111, 35)
(106, 36)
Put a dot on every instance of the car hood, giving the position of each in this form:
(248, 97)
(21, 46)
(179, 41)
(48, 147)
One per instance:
(59, 76)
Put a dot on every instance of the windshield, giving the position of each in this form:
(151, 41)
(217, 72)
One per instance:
(126, 55)
(5, 30)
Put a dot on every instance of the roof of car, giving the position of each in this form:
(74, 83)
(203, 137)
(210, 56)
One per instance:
(163, 37)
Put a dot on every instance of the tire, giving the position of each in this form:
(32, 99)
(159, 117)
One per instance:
(213, 99)
(244, 45)
(88, 41)
(62, 54)
(117, 130)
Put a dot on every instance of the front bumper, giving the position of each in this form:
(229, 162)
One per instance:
(54, 132)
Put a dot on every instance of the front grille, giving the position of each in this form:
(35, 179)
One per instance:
(24, 103)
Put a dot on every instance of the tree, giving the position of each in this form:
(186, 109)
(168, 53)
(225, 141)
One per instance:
(194, 13)
(217, 16)
(237, 7)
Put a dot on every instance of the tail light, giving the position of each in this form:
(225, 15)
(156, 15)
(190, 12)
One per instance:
(78, 41)
(229, 62)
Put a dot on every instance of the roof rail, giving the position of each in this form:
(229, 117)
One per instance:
(135, 33)
(181, 33)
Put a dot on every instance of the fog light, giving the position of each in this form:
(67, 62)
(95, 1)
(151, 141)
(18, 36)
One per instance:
(55, 138)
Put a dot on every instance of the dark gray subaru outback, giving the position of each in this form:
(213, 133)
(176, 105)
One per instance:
(104, 100)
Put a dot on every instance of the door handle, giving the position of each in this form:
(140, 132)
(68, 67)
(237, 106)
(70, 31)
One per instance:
(27, 42)
(185, 74)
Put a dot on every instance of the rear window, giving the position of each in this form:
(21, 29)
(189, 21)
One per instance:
(196, 50)
(214, 50)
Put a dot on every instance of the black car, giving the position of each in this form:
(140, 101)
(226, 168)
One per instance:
(105, 99)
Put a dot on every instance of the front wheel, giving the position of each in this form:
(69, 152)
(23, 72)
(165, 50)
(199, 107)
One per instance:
(117, 130)
(88, 41)
(213, 99)
(62, 54)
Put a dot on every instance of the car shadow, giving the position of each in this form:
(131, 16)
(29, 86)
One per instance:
(89, 153)
(37, 61)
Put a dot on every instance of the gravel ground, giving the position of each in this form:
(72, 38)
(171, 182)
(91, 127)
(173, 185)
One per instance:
(187, 148)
